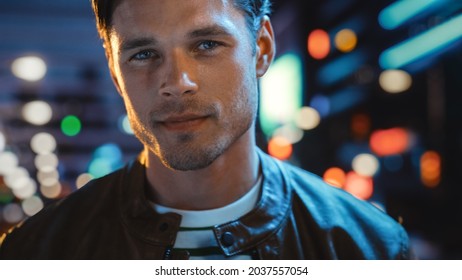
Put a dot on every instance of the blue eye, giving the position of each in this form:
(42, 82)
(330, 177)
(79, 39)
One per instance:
(143, 55)
(208, 45)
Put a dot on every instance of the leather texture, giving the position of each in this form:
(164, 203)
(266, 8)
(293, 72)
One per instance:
(298, 217)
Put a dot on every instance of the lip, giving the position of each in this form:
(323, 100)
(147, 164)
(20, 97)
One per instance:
(183, 122)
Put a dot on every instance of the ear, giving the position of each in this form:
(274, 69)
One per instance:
(266, 47)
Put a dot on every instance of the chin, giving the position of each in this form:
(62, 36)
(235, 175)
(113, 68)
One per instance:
(191, 158)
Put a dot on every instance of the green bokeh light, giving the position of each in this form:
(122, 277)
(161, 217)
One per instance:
(71, 125)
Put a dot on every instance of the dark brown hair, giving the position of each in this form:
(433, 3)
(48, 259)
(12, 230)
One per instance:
(254, 11)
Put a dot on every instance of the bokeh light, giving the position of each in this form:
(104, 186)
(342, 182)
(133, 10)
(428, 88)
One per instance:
(83, 179)
(12, 213)
(17, 178)
(307, 118)
(124, 125)
(43, 143)
(430, 169)
(360, 186)
(284, 76)
(335, 176)
(6, 196)
(29, 68)
(321, 104)
(395, 81)
(100, 167)
(46, 162)
(390, 141)
(52, 191)
(37, 112)
(32, 205)
(8, 162)
(2, 141)
(26, 190)
(48, 178)
(318, 44)
(106, 158)
(109, 151)
(346, 40)
(280, 148)
(289, 132)
(365, 165)
(71, 125)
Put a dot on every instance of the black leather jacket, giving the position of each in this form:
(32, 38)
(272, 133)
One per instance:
(298, 217)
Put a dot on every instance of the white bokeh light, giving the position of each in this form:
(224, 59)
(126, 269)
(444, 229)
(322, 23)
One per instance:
(32, 205)
(307, 118)
(2, 141)
(29, 68)
(48, 178)
(46, 162)
(365, 165)
(27, 190)
(37, 112)
(289, 132)
(395, 81)
(17, 178)
(43, 143)
(8, 162)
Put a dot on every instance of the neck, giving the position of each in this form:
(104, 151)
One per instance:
(227, 179)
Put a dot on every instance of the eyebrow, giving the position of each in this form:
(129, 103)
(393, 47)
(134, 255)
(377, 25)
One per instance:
(213, 31)
(136, 43)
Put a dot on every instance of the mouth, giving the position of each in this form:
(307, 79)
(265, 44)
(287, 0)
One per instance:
(183, 122)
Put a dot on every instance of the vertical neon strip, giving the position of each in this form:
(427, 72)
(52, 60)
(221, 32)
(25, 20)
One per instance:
(281, 93)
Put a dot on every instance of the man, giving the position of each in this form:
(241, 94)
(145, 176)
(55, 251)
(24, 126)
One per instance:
(187, 72)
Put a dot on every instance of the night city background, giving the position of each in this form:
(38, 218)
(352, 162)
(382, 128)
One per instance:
(366, 94)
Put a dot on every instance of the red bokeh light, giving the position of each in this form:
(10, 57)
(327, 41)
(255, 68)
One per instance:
(389, 141)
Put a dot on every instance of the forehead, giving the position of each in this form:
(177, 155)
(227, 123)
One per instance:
(167, 17)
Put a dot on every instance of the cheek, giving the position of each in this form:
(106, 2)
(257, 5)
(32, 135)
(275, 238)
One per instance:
(243, 99)
(137, 92)
(139, 82)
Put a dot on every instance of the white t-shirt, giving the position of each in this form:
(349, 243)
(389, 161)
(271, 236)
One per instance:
(196, 228)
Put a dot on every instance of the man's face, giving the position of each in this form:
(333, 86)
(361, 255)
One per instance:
(187, 72)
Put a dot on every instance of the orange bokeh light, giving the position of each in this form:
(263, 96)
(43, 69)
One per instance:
(359, 186)
(280, 148)
(335, 176)
(318, 44)
(389, 141)
(430, 169)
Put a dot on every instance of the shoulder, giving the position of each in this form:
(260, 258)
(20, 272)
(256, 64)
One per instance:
(343, 218)
(62, 220)
(312, 191)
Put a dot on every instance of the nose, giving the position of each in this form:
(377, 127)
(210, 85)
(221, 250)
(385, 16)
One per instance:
(180, 76)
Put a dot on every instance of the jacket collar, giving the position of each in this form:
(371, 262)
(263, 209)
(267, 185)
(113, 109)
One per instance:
(265, 219)
(136, 211)
(234, 237)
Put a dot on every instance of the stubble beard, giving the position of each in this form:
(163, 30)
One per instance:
(185, 151)
(187, 155)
